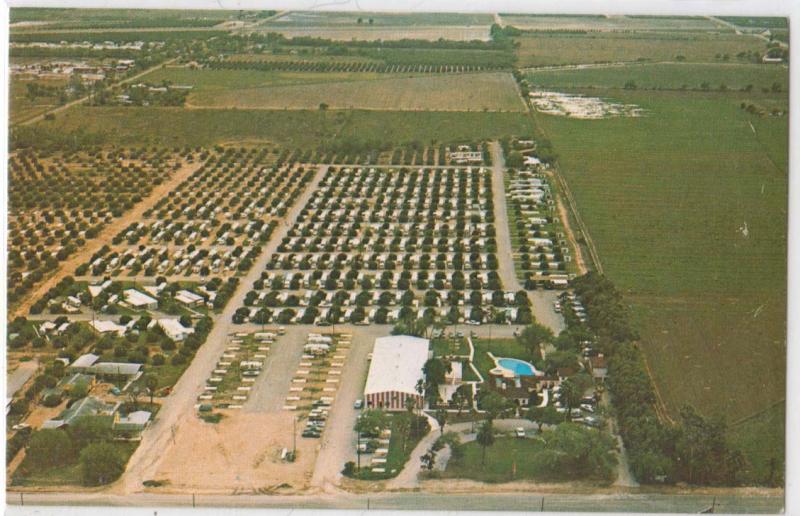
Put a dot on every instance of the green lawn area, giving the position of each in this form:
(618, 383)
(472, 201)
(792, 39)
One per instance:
(133, 126)
(667, 76)
(508, 348)
(666, 198)
(500, 461)
(762, 439)
(447, 346)
(70, 474)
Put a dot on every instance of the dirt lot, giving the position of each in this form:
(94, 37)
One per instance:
(241, 454)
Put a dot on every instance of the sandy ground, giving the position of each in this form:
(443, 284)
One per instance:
(106, 235)
(241, 455)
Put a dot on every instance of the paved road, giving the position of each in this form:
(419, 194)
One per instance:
(339, 440)
(541, 300)
(20, 375)
(728, 501)
(180, 403)
(271, 388)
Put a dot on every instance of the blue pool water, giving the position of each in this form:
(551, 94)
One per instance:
(520, 367)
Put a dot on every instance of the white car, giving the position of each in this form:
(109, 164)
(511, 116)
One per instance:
(520, 432)
(358, 404)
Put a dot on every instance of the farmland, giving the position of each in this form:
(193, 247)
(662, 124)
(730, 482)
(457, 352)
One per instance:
(609, 23)
(667, 76)
(542, 49)
(480, 92)
(193, 127)
(684, 182)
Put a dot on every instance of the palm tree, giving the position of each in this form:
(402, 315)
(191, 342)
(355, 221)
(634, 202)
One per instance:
(485, 438)
(570, 395)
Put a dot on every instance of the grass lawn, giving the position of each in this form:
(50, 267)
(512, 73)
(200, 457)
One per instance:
(540, 49)
(666, 198)
(70, 474)
(508, 348)
(446, 346)
(500, 460)
(23, 107)
(175, 126)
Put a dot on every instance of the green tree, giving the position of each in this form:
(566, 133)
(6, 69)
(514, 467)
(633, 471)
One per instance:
(441, 418)
(49, 448)
(485, 438)
(151, 382)
(493, 403)
(569, 395)
(532, 338)
(100, 463)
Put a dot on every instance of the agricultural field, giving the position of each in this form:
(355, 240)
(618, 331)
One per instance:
(463, 92)
(733, 76)
(68, 19)
(543, 49)
(700, 187)
(306, 129)
(383, 26)
(605, 23)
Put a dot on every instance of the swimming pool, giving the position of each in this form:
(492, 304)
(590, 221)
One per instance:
(519, 367)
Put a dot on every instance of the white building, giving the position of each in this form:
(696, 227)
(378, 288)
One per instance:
(174, 329)
(139, 300)
(396, 367)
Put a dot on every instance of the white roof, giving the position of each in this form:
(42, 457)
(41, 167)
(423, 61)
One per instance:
(86, 360)
(136, 298)
(396, 365)
(106, 326)
(185, 296)
(173, 327)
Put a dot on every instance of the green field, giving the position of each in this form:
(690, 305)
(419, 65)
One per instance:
(472, 92)
(665, 198)
(666, 76)
(218, 81)
(541, 49)
(175, 126)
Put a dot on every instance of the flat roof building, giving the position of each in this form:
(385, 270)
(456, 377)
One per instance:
(396, 367)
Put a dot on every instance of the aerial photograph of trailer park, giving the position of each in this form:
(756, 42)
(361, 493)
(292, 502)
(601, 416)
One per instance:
(373, 260)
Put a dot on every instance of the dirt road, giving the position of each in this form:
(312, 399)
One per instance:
(105, 236)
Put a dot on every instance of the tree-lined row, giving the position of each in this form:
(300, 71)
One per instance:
(365, 67)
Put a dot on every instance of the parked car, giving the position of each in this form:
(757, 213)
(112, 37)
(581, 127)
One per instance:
(358, 404)
(520, 432)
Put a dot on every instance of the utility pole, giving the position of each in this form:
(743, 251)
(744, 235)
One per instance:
(294, 438)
